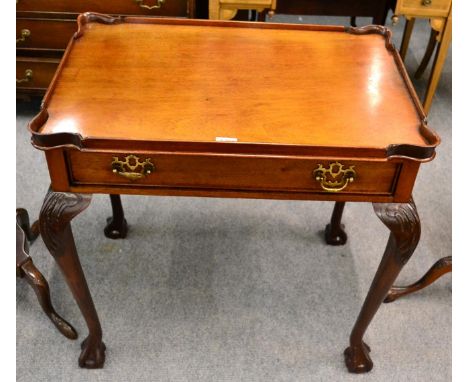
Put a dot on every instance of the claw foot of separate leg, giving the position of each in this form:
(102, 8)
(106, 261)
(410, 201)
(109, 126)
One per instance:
(116, 230)
(335, 236)
(357, 358)
(92, 354)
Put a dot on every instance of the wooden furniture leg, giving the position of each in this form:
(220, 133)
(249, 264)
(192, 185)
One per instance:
(409, 25)
(31, 231)
(428, 54)
(40, 286)
(334, 232)
(58, 210)
(116, 227)
(440, 268)
(439, 60)
(25, 268)
(403, 221)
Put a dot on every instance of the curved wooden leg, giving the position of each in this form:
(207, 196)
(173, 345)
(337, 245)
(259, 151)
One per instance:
(40, 286)
(440, 268)
(403, 221)
(58, 210)
(409, 25)
(22, 218)
(427, 55)
(334, 232)
(116, 227)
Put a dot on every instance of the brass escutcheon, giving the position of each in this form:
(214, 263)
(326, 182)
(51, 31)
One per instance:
(426, 3)
(158, 4)
(340, 176)
(131, 167)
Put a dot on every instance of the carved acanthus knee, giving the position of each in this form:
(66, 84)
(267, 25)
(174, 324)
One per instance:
(402, 220)
(57, 211)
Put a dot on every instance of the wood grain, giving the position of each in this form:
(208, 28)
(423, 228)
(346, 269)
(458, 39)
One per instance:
(278, 86)
(231, 172)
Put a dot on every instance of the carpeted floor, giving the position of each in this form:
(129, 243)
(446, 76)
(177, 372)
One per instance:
(242, 290)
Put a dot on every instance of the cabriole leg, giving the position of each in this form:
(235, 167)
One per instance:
(334, 232)
(116, 227)
(40, 286)
(58, 210)
(403, 221)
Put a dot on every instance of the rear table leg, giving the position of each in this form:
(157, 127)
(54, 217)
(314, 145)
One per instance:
(334, 232)
(116, 227)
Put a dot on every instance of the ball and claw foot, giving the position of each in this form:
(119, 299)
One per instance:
(92, 354)
(116, 230)
(357, 358)
(336, 236)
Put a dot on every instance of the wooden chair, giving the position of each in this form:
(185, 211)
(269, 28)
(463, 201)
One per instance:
(25, 268)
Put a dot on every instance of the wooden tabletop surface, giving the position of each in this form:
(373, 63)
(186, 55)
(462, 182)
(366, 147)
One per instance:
(200, 83)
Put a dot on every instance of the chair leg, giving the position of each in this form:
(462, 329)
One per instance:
(116, 227)
(427, 56)
(440, 268)
(40, 286)
(22, 218)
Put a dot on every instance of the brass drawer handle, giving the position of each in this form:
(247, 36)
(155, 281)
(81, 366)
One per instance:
(25, 33)
(156, 6)
(340, 177)
(28, 75)
(426, 3)
(131, 167)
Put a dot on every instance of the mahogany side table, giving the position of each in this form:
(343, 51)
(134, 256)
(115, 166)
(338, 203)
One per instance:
(235, 110)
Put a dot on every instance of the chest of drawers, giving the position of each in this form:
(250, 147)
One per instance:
(44, 27)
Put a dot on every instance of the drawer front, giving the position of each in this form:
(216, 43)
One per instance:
(423, 7)
(231, 173)
(125, 7)
(44, 33)
(32, 73)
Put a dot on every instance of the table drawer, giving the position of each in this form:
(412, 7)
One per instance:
(44, 33)
(231, 172)
(126, 7)
(423, 7)
(35, 73)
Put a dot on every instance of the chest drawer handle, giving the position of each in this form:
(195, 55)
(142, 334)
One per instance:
(156, 6)
(132, 167)
(335, 178)
(426, 3)
(25, 33)
(28, 75)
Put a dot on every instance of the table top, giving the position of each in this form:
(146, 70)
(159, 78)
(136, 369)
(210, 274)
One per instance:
(177, 80)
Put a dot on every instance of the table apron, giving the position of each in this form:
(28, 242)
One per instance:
(231, 176)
